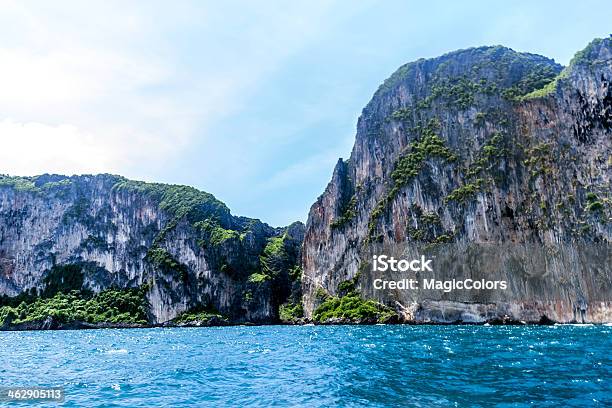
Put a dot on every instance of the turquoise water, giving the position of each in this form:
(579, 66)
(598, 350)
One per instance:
(376, 366)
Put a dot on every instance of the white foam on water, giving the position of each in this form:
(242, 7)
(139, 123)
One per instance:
(118, 351)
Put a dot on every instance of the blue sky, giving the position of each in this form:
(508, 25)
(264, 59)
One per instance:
(251, 101)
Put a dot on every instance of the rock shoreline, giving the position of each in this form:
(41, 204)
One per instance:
(51, 324)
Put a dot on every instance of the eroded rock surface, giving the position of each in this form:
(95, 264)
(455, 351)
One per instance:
(484, 146)
(180, 242)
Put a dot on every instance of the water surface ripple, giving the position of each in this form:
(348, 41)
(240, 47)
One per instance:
(375, 366)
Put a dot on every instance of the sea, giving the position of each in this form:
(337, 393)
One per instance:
(315, 366)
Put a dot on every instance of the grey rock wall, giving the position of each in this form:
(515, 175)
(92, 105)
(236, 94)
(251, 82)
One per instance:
(483, 146)
(182, 242)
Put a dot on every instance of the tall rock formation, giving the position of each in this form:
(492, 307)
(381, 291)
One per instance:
(481, 147)
(181, 244)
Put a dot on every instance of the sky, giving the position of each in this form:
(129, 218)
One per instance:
(251, 101)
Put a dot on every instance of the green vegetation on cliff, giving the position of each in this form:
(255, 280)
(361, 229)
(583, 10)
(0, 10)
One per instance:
(478, 174)
(348, 213)
(594, 203)
(408, 166)
(18, 183)
(352, 308)
(427, 227)
(200, 209)
(586, 56)
(274, 261)
(257, 277)
(582, 57)
(162, 260)
(349, 307)
(430, 145)
(545, 90)
(540, 76)
(291, 312)
(178, 200)
(201, 316)
(65, 298)
(217, 235)
(109, 306)
(515, 74)
(37, 184)
(467, 191)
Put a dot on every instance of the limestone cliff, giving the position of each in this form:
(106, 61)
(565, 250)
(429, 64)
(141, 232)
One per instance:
(484, 146)
(181, 244)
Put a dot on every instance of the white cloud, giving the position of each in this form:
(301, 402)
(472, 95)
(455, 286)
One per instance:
(117, 87)
(36, 148)
(62, 79)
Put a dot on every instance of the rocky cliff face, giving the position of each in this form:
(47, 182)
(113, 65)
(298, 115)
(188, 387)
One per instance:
(484, 146)
(179, 243)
